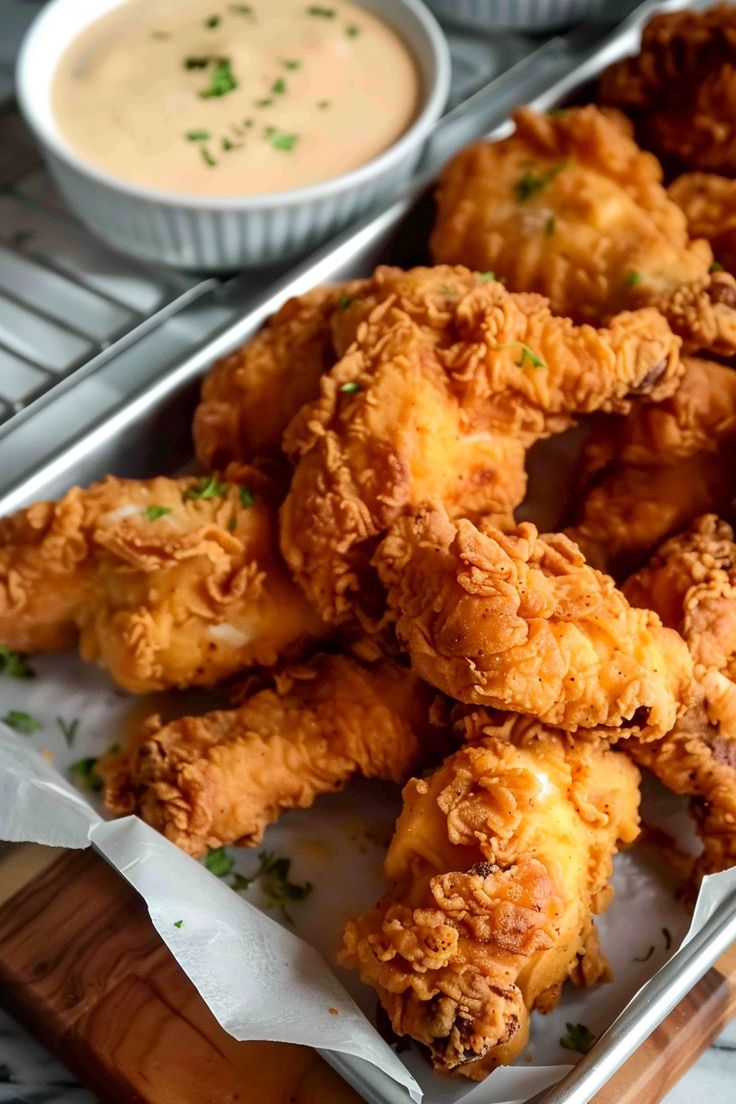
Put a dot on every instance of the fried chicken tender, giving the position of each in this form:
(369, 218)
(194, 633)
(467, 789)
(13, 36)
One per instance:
(498, 863)
(570, 207)
(519, 621)
(165, 582)
(681, 88)
(449, 381)
(224, 777)
(691, 583)
(709, 204)
(249, 397)
(632, 508)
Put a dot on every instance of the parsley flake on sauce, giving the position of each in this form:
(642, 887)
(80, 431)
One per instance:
(241, 9)
(196, 62)
(222, 80)
(321, 13)
(282, 141)
(68, 729)
(207, 157)
(197, 135)
(15, 664)
(292, 64)
(578, 1037)
(352, 31)
(207, 487)
(212, 21)
(21, 722)
(278, 87)
(153, 513)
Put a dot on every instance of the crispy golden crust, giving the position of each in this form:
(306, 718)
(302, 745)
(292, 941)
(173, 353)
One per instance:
(520, 622)
(498, 862)
(448, 382)
(570, 207)
(699, 417)
(223, 777)
(691, 583)
(249, 397)
(632, 508)
(681, 87)
(187, 597)
(709, 204)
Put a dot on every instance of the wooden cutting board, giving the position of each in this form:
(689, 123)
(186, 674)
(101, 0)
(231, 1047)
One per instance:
(83, 968)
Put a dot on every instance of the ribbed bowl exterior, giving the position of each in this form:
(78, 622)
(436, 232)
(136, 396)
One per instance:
(491, 15)
(219, 240)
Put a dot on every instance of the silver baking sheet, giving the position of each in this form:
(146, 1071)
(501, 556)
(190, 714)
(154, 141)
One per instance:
(145, 430)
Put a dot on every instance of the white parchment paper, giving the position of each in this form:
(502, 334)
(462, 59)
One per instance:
(265, 979)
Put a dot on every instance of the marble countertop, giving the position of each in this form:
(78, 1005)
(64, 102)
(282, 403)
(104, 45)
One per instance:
(30, 1075)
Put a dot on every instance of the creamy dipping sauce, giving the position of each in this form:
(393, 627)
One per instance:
(209, 98)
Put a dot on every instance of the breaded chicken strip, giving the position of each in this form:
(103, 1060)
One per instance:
(497, 865)
(709, 204)
(681, 87)
(164, 582)
(222, 778)
(570, 207)
(444, 410)
(650, 474)
(249, 397)
(691, 583)
(631, 508)
(519, 621)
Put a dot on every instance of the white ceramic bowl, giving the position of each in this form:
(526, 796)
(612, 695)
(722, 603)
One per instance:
(222, 233)
(528, 15)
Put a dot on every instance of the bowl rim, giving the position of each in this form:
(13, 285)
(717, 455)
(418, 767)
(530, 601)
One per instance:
(433, 101)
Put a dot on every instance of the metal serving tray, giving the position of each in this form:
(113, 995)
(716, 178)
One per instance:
(148, 432)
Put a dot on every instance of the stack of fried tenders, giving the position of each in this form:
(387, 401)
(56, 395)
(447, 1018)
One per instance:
(354, 546)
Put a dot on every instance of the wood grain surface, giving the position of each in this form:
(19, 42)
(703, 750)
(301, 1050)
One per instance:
(82, 966)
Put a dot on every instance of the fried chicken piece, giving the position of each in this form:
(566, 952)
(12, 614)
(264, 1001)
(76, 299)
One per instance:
(165, 582)
(681, 88)
(691, 583)
(449, 381)
(497, 865)
(570, 207)
(709, 204)
(224, 777)
(699, 417)
(632, 508)
(520, 622)
(249, 397)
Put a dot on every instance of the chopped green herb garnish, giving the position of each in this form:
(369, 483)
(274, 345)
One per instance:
(321, 13)
(527, 354)
(247, 122)
(153, 513)
(633, 279)
(485, 277)
(114, 749)
(667, 938)
(196, 62)
(345, 301)
(549, 226)
(68, 729)
(222, 80)
(264, 103)
(352, 31)
(282, 141)
(273, 876)
(350, 387)
(232, 524)
(178, 923)
(15, 664)
(446, 290)
(83, 773)
(219, 862)
(279, 86)
(212, 21)
(323, 104)
(207, 487)
(21, 722)
(241, 9)
(226, 145)
(207, 158)
(198, 135)
(247, 497)
(647, 956)
(578, 1037)
(716, 267)
(239, 883)
(291, 63)
(529, 183)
